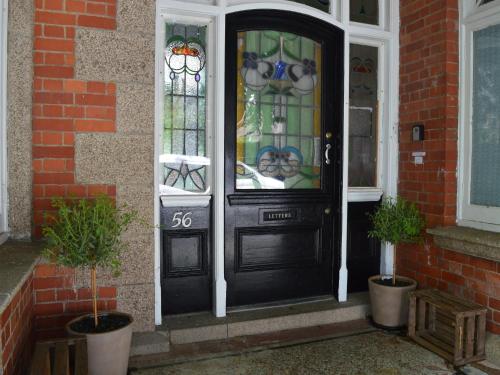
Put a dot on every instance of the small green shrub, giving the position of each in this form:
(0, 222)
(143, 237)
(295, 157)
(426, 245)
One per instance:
(397, 221)
(86, 234)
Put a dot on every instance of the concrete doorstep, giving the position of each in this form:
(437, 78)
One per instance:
(146, 343)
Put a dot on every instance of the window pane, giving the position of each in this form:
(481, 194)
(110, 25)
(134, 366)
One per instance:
(363, 106)
(364, 11)
(278, 111)
(184, 156)
(482, 2)
(485, 170)
(323, 5)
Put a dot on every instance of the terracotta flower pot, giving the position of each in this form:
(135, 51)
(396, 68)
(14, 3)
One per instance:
(108, 352)
(390, 303)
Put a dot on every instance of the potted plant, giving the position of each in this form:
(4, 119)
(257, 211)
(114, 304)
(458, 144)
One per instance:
(395, 221)
(86, 234)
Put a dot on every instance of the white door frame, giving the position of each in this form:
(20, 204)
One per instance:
(215, 13)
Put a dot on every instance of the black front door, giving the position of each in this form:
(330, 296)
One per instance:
(283, 144)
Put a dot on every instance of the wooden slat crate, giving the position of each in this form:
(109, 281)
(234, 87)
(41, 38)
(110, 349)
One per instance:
(60, 357)
(449, 326)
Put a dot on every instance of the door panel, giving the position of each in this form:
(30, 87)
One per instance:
(363, 252)
(283, 144)
(185, 259)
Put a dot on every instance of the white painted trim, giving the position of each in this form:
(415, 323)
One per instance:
(391, 161)
(364, 194)
(343, 272)
(159, 37)
(3, 118)
(220, 285)
(472, 19)
(185, 200)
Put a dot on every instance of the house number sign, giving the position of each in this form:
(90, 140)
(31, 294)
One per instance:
(181, 218)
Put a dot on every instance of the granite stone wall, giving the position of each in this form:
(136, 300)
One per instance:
(19, 108)
(93, 125)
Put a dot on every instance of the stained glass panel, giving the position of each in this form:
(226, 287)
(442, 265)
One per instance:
(364, 11)
(184, 155)
(363, 107)
(278, 111)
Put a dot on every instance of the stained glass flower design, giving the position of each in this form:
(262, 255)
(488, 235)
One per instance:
(185, 55)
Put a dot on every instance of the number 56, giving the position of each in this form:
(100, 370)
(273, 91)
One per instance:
(185, 220)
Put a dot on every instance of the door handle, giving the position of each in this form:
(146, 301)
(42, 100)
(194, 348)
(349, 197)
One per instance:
(327, 150)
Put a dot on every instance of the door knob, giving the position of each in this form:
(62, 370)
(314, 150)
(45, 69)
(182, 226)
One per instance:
(328, 210)
(328, 135)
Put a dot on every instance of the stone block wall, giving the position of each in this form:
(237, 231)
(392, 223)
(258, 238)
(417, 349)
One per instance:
(93, 133)
(16, 331)
(19, 108)
(429, 46)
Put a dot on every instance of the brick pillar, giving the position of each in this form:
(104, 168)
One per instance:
(63, 105)
(429, 95)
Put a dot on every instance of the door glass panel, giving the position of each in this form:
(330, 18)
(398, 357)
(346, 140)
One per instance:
(363, 106)
(278, 144)
(364, 11)
(184, 156)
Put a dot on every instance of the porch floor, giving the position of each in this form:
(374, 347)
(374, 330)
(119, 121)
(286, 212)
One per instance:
(343, 348)
(199, 327)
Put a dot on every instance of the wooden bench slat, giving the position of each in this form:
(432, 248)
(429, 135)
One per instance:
(41, 360)
(470, 335)
(61, 365)
(435, 348)
(81, 358)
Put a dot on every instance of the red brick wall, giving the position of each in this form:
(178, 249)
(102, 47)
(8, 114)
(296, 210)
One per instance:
(429, 95)
(47, 300)
(63, 106)
(57, 300)
(468, 277)
(16, 330)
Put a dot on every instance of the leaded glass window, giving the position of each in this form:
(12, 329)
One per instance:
(184, 124)
(278, 111)
(363, 114)
(364, 11)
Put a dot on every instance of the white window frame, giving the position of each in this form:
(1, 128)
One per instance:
(373, 193)
(3, 122)
(473, 18)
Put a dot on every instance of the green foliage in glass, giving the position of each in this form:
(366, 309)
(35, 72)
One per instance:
(397, 221)
(86, 233)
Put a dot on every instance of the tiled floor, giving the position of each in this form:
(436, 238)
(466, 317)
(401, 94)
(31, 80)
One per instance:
(345, 348)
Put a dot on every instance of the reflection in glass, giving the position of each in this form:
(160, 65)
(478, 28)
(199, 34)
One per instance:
(364, 11)
(184, 144)
(482, 2)
(363, 105)
(485, 161)
(278, 111)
